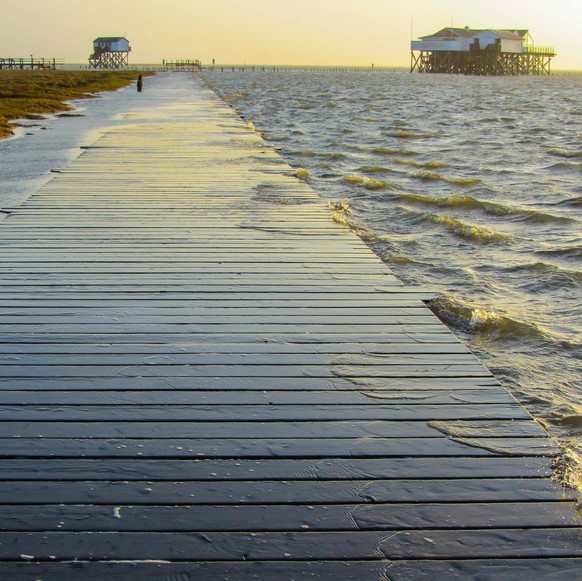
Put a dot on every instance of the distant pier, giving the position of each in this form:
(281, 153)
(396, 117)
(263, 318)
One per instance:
(204, 376)
(30, 63)
(183, 65)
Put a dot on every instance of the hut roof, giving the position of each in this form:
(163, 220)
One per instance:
(450, 32)
(109, 38)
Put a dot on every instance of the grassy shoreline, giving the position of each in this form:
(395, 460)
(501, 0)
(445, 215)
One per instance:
(31, 94)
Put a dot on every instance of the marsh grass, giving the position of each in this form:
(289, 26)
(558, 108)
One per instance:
(32, 94)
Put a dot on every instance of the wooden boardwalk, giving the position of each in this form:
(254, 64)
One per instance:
(203, 376)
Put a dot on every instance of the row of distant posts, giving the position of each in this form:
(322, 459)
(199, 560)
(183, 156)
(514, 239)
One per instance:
(30, 63)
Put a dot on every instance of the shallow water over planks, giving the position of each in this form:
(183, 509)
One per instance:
(203, 376)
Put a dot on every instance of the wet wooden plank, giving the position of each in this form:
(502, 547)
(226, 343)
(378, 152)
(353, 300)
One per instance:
(173, 448)
(379, 371)
(267, 412)
(210, 546)
(495, 569)
(173, 360)
(187, 313)
(320, 430)
(487, 543)
(251, 397)
(225, 328)
(338, 517)
(555, 569)
(265, 347)
(164, 320)
(219, 571)
(284, 492)
(245, 383)
(278, 469)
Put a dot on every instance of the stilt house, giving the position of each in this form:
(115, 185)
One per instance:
(110, 52)
(480, 52)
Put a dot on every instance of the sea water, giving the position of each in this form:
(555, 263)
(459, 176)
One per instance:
(470, 186)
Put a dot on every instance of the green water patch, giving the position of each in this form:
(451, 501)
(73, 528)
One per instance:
(391, 151)
(489, 324)
(563, 152)
(370, 183)
(490, 208)
(302, 174)
(390, 257)
(334, 156)
(402, 134)
(421, 164)
(341, 214)
(377, 170)
(569, 252)
(470, 232)
(433, 177)
(542, 275)
(574, 202)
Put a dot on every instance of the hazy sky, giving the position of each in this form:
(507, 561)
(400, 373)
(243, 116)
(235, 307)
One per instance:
(311, 32)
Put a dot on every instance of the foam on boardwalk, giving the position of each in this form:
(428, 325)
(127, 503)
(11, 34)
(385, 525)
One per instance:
(204, 376)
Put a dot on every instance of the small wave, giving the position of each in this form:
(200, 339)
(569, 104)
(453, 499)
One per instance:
(574, 252)
(546, 275)
(394, 258)
(302, 174)
(369, 183)
(433, 176)
(425, 165)
(466, 202)
(388, 151)
(276, 138)
(541, 217)
(575, 202)
(342, 206)
(334, 156)
(467, 231)
(340, 212)
(471, 203)
(401, 134)
(231, 97)
(562, 152)
(375, 169)
(368, 119)
(568, 166)
(472, 318)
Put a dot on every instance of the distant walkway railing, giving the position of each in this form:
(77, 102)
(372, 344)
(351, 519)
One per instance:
(30, 63)
(182, 65)
(539, 50)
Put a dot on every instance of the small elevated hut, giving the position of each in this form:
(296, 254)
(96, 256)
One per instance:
(110, 52)
(470, 51)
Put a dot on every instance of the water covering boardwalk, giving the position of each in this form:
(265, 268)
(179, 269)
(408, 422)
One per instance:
(204, 376)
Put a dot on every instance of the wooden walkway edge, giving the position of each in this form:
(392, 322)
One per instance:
(203, 376)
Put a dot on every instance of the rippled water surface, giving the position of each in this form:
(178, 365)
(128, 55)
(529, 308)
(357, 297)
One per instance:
(470, 186)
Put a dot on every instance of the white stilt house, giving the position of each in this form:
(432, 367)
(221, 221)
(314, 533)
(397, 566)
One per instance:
(480, 52)
(110, 52)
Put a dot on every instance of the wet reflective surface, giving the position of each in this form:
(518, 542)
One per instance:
(203, 376)
(468, 186)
